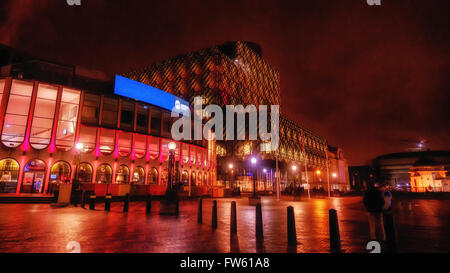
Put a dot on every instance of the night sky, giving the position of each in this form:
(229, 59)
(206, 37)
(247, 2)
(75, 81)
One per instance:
(364, 77)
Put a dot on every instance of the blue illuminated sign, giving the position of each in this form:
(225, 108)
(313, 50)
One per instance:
(146, 93)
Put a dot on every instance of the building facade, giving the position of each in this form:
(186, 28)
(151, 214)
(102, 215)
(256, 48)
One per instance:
(428, 176)
(55, 131)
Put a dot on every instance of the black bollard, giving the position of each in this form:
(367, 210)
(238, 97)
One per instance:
(148, 208)
(108, 199)
(83, 199)
(177, 205)
(259, 222)
(335, 238)
(200, 211)
(214, 214)
(291, 231)
(92, 201)
(233, 221)
(389, 227)
(125, 202)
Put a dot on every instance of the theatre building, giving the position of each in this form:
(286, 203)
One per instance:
(64, 124)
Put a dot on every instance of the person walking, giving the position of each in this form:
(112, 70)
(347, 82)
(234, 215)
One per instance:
(373, 201)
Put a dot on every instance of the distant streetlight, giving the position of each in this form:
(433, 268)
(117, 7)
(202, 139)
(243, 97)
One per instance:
(294, 168)
(318, 172)
(230, 166)
(334, 175)
(264, 170)
(79, 146)
(253, 160)
(172, 146)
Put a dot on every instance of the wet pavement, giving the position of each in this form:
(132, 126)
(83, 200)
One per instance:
(422, 226)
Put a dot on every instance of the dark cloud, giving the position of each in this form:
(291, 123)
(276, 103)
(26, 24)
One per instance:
(364, 77)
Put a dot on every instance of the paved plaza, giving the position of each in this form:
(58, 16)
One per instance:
(422, 226)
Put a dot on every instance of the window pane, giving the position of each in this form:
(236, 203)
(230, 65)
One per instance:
(107, 141)
(104, 174)
(139, 175)
(140, 145)
(153, 176)
(88, 137)
(153, 148)
(41, 128)
(155, 122)
(122, 174)
(127, 116)
(142, 119)
(2, 86)
(167, 125)
(125, 143)
(185, 154)
(109, 114)
(91, 105)
(67, 119)
(17, 113)
(9, 174)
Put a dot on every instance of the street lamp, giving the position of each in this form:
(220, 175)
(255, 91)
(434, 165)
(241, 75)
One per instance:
(79, 147)
(230, 166)
(294, 169)
(170, 205)
(172, 146)
(253, 160)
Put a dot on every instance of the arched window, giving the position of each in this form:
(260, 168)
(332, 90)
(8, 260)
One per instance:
(104, 173)
(153, 148)
(88, 136)
(16, 116)
(164, 176)
(123, 174)
(193, 179)
(153, 176)
(140, 145)
(44, 111)
(67, 119)
(85, 173)
(107, 141)
(185, 178)
(193, 155)
(125, 140)
(9, 173)
(185, 154)
(60, 172)
(139, 175)
(33, 176)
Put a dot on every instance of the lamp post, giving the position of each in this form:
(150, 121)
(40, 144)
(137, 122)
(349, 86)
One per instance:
(230, 167)
(253, 160)
(79, 148)
(172, 147)
(294, 169)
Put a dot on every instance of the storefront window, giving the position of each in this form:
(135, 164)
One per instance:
(193, 155)
(85, 173)
(153, 176)
(139, 175)
(140, 145)
(33, 176)
(67, 119)
(193, 179)
(142, 118)
(91, 109)
(44, 111)
(125, 140)
(185, 178)
(109, 112)
(60, 172)
(127, 116)
(17, 113)
(155, 123)
(104, 173)
(185, 154)
(88, 136)
(123, 175)
(153, 148)
(9, 173)
(107, 141)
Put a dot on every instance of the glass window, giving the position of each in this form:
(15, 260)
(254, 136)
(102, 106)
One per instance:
(167, 125)
(85, 173)
(91, 106)
(107, 141)
(109, 114)
(155, 122)
(127, 116)
(60, 172)
(125, 140)
(139, 175)
(104, 173)
(33, 176)
(153, 176)
(140, 145)
(88, 136)
(185, 178)
(193, 181)
(67, 119)
(44, 111)
(193, 156)
(16, 117)
(153, 149)
(185, 154)
(142, 118)
(9, 173)
(123, 174)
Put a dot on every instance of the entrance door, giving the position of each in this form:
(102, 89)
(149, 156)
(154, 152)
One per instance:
(33, 177)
